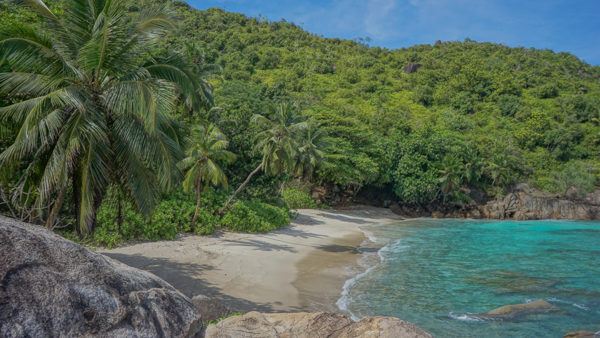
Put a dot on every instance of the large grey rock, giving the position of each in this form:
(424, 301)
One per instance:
(52, 287)
(311, 325)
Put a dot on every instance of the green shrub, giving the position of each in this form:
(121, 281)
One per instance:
(298, 199)
(509, 105)
(245, 216)
(546, 91)
(103, 236)
(580, 175)
(423, 95)
(206, 223)
(170, 217)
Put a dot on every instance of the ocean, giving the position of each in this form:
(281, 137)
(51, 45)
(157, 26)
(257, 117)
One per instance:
(444, 274)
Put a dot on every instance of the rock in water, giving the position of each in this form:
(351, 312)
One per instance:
(52, 287)
(311, 325)
(517, 310)
(582, 334)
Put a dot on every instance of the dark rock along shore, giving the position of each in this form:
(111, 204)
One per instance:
(523, 203)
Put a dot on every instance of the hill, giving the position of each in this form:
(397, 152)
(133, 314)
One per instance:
(427, 122)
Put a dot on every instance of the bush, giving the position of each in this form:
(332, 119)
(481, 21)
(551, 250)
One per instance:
(170, 217)
(298, 199)
(423, 95)
(547, 91)
(580, 175)
(206, 223)
(509, 105)
(254, 217)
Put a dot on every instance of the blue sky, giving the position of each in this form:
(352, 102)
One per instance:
(560, 25)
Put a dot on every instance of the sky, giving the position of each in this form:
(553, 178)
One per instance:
(561, 25)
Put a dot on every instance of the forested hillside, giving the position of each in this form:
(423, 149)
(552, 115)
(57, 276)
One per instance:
(426, 120)
(443, 123)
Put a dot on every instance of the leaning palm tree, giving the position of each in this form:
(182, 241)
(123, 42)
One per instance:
(96, 105)
(310, 151)
(276, 143)
(206, 155)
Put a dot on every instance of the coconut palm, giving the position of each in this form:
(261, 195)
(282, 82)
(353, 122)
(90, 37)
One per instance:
(202, 72)
(95, 105)
(206, 155)
(310, 151)
(275, 142)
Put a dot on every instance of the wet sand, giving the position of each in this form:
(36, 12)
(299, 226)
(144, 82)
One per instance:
(300, 267)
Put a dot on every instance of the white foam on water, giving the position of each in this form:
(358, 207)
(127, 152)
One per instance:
(465, 317)
(344, 300)
(583, 307)
(577, 305)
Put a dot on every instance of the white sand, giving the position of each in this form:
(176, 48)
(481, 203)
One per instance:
(300, 267)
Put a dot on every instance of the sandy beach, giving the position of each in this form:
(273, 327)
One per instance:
(300, 267)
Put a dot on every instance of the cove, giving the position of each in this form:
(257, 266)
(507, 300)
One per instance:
(443, 275)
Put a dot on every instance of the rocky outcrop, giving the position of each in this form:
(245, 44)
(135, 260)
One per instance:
(52, 287)
(412, 67)
(525, 203)
(309, 325)
(518, 310)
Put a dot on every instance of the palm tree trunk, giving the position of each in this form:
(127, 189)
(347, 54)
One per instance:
(97, 201)
(77, 202)
(240, 188)
(119, 211)
(56, 208)
(198, 204)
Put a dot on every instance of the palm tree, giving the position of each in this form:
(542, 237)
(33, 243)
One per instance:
(310, 151)
(203, 163)
(202, 71)
(451, 176)
(276, 143)
(95, 105)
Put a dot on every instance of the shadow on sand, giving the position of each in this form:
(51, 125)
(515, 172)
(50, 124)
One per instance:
(185, 278)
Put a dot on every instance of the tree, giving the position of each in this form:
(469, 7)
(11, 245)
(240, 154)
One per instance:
(275, 142)
(94, 105)
(310, 151)
(203, 163)
(201, 71)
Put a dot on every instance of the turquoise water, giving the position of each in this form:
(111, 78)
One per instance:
(439, 274)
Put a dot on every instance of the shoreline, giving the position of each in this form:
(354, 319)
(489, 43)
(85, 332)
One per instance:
(302, 267)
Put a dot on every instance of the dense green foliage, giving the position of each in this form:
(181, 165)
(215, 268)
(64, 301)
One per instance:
(92, 106)
(90, 100)
(295, 198)
(473, 116)
(255, 216)
(434, 124)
